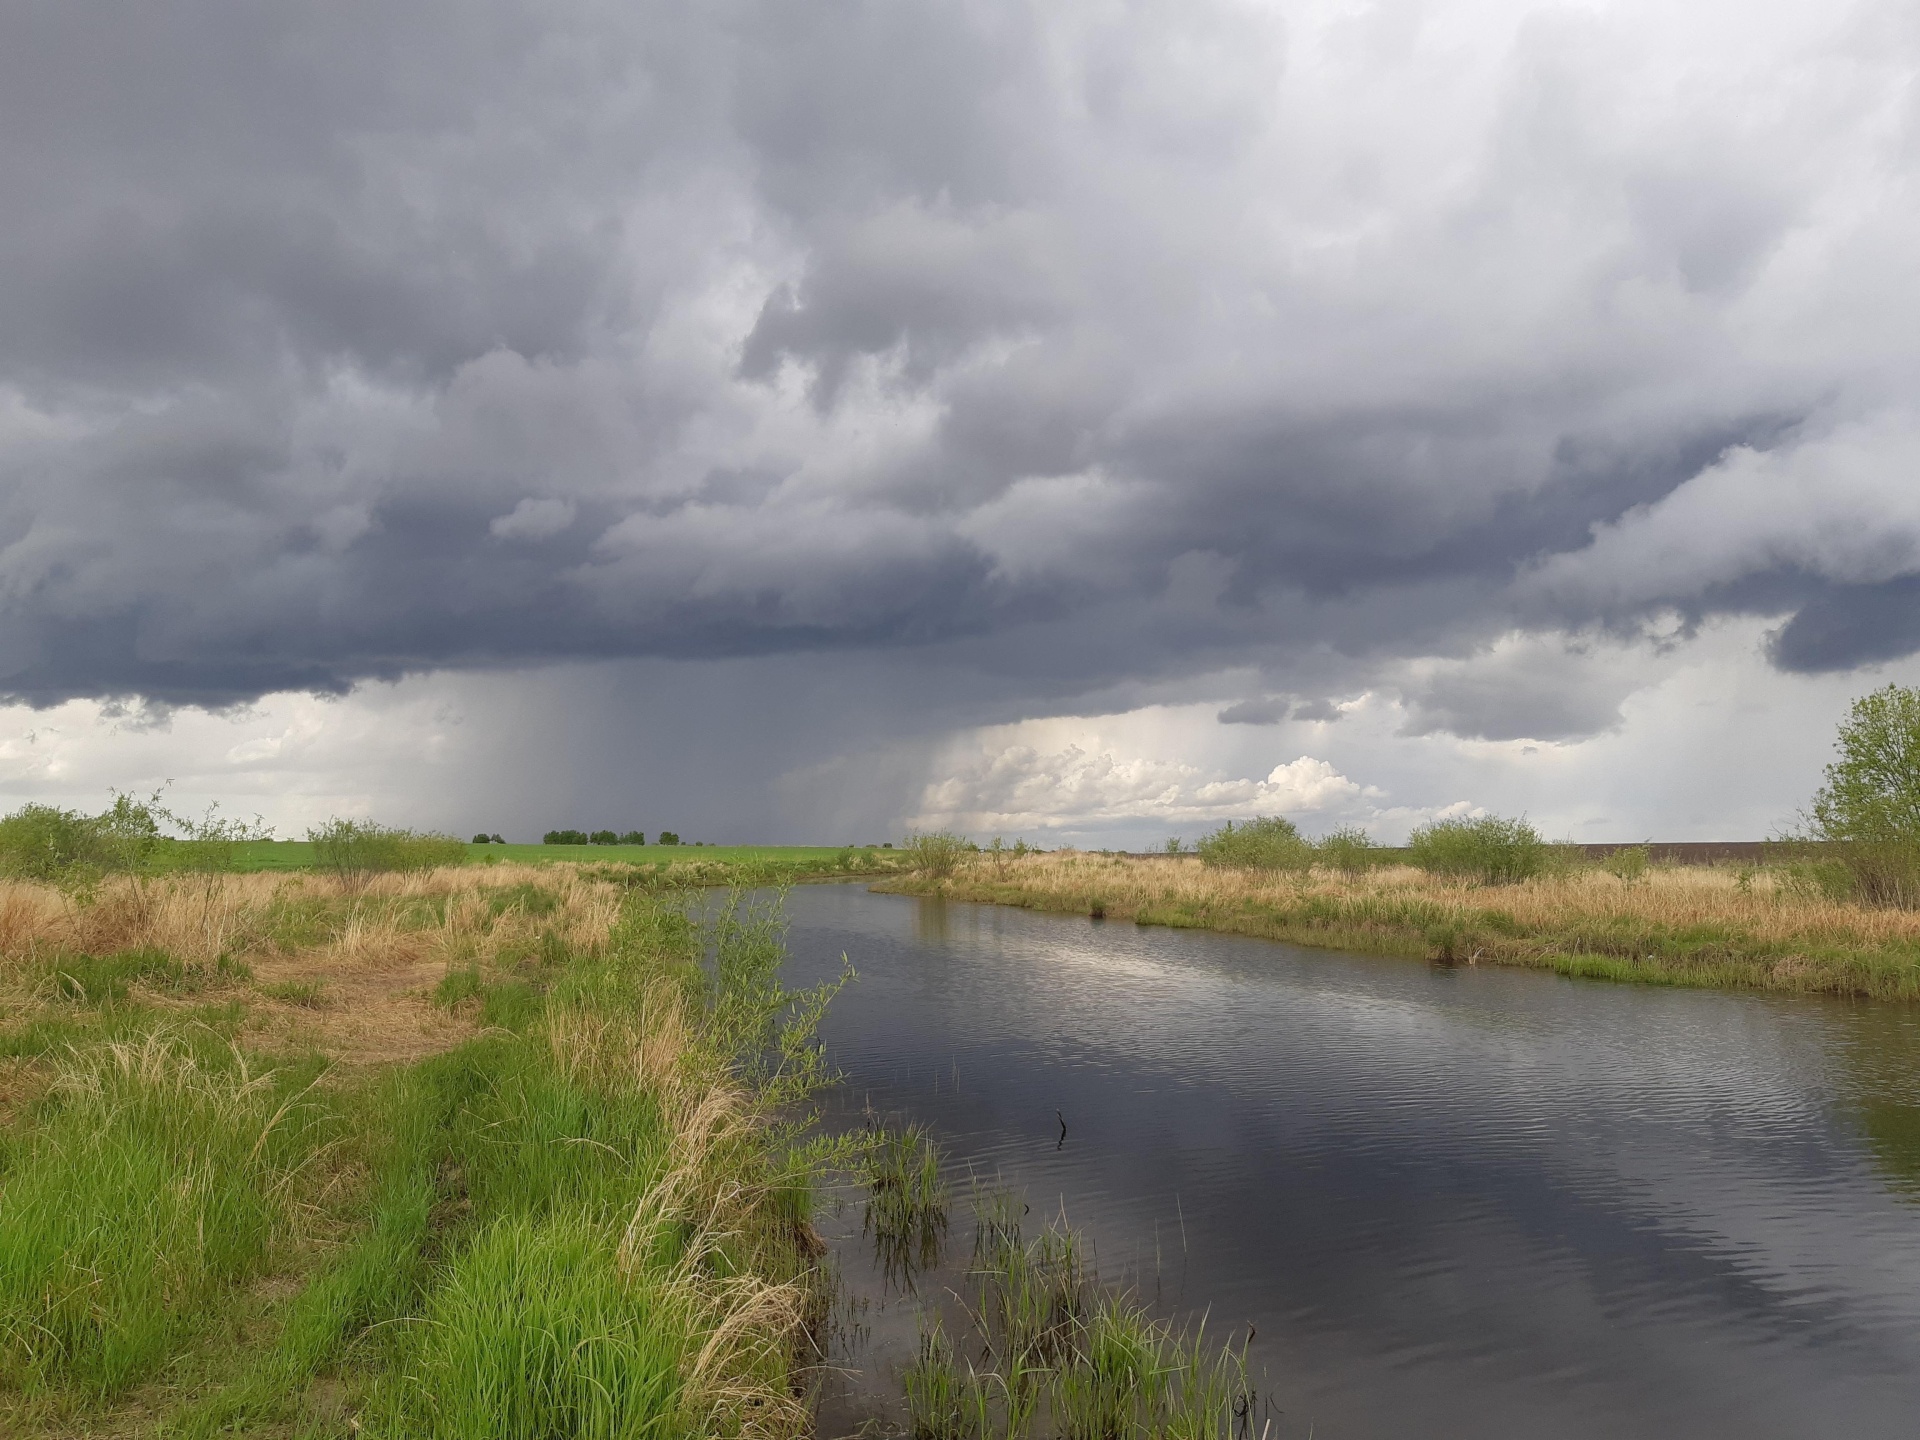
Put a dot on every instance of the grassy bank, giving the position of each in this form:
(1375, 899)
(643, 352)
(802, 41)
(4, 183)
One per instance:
(470, 1153)
(696, 864)
(1718, 926)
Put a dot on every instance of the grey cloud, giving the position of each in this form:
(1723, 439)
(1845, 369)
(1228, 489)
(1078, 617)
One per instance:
(1536, 689)
(534, 519)
(1273, 709)
(1268, 710)
(347, 342)
(1846, 626)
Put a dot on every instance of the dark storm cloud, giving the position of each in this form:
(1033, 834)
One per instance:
(1099, 349)
(1844, 626)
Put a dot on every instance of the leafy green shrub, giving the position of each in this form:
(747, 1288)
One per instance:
(1628, 864)
(1831, 881)
(564, 837)
(1269, 842)
(44, 842)
(483, 839)
(667, 837)
(1350, 850)
(356, 849)
(1492, 850)
(634, 837)
(935, 853)
(1869, 808)
(603, 837)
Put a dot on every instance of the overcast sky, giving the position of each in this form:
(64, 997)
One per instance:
(1087, 421)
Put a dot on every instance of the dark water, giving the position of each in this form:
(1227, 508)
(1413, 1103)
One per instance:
(1451, 1202)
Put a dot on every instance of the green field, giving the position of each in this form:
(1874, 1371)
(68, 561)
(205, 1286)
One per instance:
(298, 855)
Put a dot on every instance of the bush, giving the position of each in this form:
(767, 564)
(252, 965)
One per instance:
(1628, 864)
(667, 837)
(603, 837)
(634, 837)
(1492, 850)
(1350, 850)
(356, 849)
(935, 853)
(44, 842)
(1269, 842)
(483, 839)
(564, 837)
(1869, 807)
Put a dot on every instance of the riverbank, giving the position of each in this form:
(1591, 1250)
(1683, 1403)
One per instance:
(468, 1152)
(696, 865)
(1694, 925)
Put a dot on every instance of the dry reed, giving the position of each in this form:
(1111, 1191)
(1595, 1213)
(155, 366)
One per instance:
(1690, 925)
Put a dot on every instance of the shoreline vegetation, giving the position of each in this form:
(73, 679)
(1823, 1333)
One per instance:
(704, 865)
(461, 1152)
(485, 1152)
(1781, 927)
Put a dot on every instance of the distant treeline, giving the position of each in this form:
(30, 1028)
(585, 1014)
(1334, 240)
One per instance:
(604, 837)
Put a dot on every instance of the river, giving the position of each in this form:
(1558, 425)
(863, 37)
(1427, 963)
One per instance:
(1447, 1201)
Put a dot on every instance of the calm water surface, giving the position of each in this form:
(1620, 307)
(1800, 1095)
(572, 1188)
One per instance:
(1455, 1202)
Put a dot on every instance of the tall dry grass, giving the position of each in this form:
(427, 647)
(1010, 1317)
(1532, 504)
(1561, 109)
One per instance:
(1698, 924)
(199, 919)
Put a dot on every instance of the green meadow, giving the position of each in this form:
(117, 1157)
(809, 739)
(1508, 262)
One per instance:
(259, 855)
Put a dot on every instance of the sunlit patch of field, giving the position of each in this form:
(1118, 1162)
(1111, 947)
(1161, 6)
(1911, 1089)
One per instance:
(1698, 925)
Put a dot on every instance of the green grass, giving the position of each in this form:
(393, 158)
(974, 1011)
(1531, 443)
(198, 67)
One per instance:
(906, 1211)
(156, 1177)
(448, 1249)
(537, 1330)
(260, 855)
(308, 994)
(1050, 1352)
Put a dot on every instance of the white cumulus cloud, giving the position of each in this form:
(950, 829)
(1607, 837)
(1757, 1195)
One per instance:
(1019, 787)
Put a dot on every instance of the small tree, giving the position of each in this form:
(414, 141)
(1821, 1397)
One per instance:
(1869, 807)
(1268, 842)
(603, 837)
(44, 842)
(355, 850)
(667, 837)
(1628, 864)
(75, 851)
(634, 837)
(1350, 850)
(935, 853)
(1492, 850)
